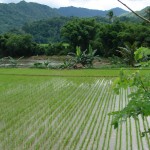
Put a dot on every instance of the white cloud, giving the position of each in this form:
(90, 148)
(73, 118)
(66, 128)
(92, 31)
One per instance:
(92, 4)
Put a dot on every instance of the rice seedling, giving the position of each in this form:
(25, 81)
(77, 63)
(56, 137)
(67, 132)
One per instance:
(64, 112)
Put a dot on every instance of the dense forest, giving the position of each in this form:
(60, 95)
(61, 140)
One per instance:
(48, 37)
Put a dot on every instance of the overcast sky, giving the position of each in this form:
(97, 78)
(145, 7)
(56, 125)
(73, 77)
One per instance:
(92, 4)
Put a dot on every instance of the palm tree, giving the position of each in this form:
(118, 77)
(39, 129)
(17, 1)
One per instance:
(110, 14)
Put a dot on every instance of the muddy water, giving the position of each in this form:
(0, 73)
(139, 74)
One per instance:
(26, 63)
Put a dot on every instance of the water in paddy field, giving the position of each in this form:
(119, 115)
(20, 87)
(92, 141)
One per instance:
(58, 113)
(27, 63)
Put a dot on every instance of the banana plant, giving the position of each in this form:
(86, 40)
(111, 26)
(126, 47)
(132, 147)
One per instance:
(127, 53)
(85, 58)
(76, 56)
(14, 62)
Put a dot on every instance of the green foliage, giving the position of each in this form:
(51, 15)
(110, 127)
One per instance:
(142, 54)
(80, 32)
(85, 58)
(44, 64)
(127, 53)
(117, 61)
(104, 37)
(46, 31)
(68, 64)
(139, 98)
(17, 45)
(11, 61)
(139, 103)
(110, 14)
(56, 49)
(15, 15)
(14, 62)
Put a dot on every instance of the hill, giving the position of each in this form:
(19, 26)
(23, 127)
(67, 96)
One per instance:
(15, 15)
(84, 12)
(142, 12)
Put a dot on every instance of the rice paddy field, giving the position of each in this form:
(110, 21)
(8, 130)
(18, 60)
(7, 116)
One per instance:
(65, 110)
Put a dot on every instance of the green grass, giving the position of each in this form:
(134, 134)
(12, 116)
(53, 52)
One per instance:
(68, 113)
(80, 72)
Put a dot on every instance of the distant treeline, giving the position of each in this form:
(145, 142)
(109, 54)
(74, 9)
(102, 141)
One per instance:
(47, 37)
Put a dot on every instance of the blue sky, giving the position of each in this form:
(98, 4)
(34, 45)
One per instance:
(91, 4)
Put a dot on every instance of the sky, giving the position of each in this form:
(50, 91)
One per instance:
(91, 4)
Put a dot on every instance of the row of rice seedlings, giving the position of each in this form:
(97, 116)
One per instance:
(13, 130)
(60, 122)
(67, 128)
(94, 96)
(14, 90)
(86, 112)
(78, 109)
(83, 105)
(96, 122)
(130, 126)
(87, 143)
(127, 122)
(104, 112)
(132, 130)
(136, 141)
(141, 128)
(120, 108)
(10, 101)
(50, 114)
(148, 127)
(145, 128)
(75, 125)
(109, 127)
(117, 134)
(82, 136)
(106, 123)
(8, 121)
(101, 108)
(110, 135)
(20, 100)
(140, 141)
(125, 125)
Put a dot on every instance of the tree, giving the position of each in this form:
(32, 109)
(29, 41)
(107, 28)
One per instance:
(80, 32)
(127, 53)
(110, 14)
(19, 45)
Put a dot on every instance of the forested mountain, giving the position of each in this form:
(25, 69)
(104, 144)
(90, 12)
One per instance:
(15, 15)
(45, 31)
(83, 12)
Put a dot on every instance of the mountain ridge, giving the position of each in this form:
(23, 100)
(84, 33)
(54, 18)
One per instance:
(85, 12)
(15, 15)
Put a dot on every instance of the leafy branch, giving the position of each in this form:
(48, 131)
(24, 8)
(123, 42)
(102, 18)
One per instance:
(139, 103)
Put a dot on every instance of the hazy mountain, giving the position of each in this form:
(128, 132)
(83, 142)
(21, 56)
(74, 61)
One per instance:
(15, 15)
(84, 12)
